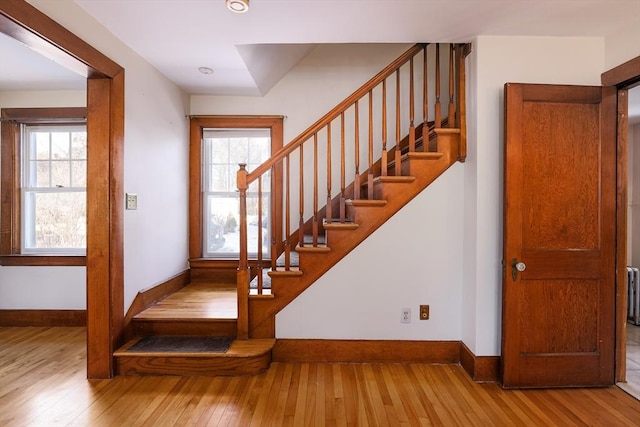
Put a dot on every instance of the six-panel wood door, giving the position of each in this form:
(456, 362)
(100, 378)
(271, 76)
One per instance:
(559, 223)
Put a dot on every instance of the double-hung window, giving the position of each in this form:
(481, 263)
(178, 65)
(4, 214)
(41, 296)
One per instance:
(223, 150)
(53, 190)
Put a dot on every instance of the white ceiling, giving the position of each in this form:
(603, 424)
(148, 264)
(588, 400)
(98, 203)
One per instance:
(250, 52)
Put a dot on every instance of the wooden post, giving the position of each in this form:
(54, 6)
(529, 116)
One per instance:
(243, 267)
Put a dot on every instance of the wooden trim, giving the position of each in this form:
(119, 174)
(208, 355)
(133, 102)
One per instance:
(40, 260)
(479, 368)
(623, 75)
(10, 179)
(43, 318)
(147, 297)
(105, 107)
(621, 236)
(28, 25)
(9, 188)
(365, 351)
(196, 126)
(44, 115)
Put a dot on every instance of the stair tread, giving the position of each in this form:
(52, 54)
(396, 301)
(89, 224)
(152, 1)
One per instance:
(293, 271)
(394, 179)
(313, 249)
(237, 349)
(424, 155)
(340, 226)
(365, 202)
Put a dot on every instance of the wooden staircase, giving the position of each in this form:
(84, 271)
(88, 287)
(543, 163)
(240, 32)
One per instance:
(326, 234)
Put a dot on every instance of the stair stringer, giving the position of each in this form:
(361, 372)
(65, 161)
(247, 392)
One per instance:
(284, 290)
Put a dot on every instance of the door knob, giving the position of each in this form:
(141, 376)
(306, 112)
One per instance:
(515, 267)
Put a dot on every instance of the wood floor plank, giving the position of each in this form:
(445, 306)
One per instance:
(43, 384)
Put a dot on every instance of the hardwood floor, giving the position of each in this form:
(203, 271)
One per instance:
(42, 383)
(632, 386)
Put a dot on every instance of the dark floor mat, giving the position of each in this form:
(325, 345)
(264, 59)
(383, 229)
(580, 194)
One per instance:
(182, 344)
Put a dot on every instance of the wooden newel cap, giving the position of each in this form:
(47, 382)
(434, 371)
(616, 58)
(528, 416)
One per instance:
(242, 176)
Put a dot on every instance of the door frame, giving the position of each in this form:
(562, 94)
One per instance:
(105, 162)
(623, 77)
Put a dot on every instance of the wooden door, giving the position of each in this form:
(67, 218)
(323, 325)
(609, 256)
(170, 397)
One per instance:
(560, 223)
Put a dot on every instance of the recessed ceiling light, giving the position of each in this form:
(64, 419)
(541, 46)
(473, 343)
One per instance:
(205, 70)
(237, 6)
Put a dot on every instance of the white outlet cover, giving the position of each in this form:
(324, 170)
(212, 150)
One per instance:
(405, 315)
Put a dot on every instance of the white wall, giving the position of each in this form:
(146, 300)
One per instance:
(530, 60)
(155, 155)
(42, 287)
(413, 259)
(622, 46)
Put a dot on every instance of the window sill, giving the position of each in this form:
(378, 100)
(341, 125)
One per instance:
(43, 260)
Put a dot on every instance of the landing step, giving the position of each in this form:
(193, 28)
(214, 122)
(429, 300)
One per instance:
(243, 357)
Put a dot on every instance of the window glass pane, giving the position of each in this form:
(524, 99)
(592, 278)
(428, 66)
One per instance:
(219, 150)
(218, 178)
(42, 174)
(60, 174)
(238, 150)
(53, 215)
(222, 234)
(259, 150)
(79, 145)
(60, 145)
(79, 173)
(59, 221)
(42, 145)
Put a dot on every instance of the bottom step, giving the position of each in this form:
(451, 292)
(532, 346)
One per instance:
(244, 357)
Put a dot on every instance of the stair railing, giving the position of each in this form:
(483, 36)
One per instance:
(317, 145)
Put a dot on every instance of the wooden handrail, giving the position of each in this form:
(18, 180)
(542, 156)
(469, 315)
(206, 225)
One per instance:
(409, 137)
(335, 112)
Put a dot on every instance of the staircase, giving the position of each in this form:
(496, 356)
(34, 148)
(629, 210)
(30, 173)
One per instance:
(376, 122)
(353, 133)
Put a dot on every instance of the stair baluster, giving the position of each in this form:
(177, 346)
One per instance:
(315, 190)
(370, 174)
(384, 160)
(379, 185)
(329, 175)
(398, 156)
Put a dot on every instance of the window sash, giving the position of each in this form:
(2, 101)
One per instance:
(225, 162)
(52, 168)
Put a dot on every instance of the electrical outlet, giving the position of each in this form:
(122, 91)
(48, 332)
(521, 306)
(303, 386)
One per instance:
(405, 315)
(132, 202)
(424, 312)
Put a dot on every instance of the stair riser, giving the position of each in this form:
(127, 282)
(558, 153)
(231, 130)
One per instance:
(214, 329)
(193, 366)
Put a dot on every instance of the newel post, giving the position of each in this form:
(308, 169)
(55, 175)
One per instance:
(243, 267)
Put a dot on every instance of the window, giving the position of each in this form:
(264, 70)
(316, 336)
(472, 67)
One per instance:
(217, 145)
(223, 150)
(43, 186)
(53, 190)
